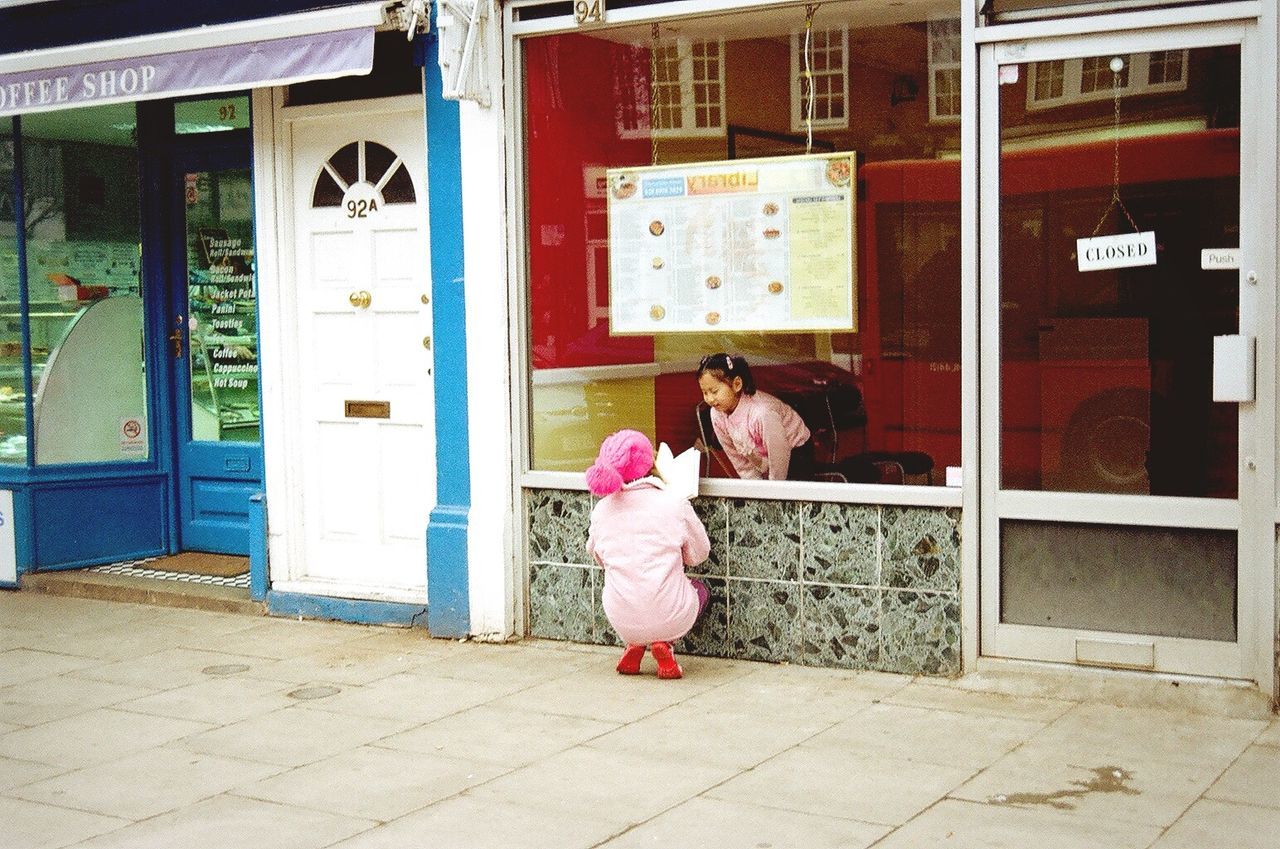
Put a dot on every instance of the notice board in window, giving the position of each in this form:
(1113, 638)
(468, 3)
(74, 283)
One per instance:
(749, 244)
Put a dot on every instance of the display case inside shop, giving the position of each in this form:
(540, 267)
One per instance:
(65, 278)
(90, 394)
(13, 425)
(46, 318)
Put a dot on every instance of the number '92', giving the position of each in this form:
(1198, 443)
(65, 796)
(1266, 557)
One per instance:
(361, 208)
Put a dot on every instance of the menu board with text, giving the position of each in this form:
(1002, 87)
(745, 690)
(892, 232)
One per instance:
(221, 303)
(759, 245)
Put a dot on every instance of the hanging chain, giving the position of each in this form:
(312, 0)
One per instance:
(807, 79)
(1115, 166)
(1115, 133)
(653, 94)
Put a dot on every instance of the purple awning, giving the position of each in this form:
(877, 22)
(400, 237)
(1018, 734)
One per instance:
(208, 69)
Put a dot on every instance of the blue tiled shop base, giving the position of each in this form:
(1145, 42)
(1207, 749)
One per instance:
(837, 585)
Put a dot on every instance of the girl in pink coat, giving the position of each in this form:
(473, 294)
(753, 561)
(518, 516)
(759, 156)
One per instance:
(763, 437)
(644, 536)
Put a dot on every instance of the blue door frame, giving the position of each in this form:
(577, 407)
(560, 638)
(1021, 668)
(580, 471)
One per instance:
(448, 569)
(213, 480)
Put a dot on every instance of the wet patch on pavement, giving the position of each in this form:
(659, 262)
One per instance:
(1106, 779)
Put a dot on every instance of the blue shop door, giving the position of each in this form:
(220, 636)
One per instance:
(212, 343)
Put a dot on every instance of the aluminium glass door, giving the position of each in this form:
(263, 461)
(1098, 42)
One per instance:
(1120, 501)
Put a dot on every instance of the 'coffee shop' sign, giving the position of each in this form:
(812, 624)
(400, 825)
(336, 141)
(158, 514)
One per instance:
(186, 72)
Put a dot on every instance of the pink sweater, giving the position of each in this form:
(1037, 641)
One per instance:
(644, 536)
(759, 434)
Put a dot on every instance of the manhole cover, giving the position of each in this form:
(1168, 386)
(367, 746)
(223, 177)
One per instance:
(313, 692)
(226, 669)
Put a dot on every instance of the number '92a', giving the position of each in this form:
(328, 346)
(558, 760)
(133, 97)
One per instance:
(361, 208)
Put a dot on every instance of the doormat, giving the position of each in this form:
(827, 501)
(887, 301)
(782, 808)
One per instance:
(202, 563)
(138, 569)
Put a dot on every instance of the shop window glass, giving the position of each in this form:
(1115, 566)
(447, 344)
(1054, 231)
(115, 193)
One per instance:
(13, 418)
(1106, 368)
(83, 251)
(880, 394)
(222, 306)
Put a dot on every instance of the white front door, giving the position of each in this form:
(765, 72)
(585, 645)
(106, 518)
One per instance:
(1126, 509)
(364, 341)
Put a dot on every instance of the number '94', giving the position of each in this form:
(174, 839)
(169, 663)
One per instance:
(588, 11)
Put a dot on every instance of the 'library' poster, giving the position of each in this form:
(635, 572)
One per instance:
(759, 244)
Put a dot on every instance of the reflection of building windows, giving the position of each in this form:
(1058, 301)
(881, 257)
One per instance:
(1066, 81)
(944, 70)
(43, 189)
(1167, 67)
(1095, 75)
(686, 94)
(631, 67)
(688, 88)
(829, 72)
(1047, 81)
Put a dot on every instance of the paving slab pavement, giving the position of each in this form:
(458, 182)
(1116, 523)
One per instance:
(132, 726)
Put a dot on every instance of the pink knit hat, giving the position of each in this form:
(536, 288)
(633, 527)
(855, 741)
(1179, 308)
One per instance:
(624, 456)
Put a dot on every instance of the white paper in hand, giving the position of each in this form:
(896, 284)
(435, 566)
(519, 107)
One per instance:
(679, 473)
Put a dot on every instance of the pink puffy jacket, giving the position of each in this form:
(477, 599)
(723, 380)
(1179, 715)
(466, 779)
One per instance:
(644, 536)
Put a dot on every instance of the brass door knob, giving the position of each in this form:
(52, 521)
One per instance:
(360, 299)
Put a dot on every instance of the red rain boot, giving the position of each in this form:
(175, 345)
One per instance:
(667, 666)
(630, 663)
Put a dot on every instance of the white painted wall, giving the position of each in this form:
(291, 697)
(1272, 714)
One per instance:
(491, 562)
(276, 326)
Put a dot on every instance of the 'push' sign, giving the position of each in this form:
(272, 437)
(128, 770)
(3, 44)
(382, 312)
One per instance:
(1123, 251)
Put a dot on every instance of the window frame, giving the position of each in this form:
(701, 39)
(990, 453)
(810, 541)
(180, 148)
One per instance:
(1137, 83)
(799, 123)
(936, 66)
(686, 84)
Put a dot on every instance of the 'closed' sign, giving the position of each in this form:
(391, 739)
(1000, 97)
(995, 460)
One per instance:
(1123, 251)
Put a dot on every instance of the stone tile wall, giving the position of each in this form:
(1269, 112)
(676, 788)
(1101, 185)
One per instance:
(838, 585)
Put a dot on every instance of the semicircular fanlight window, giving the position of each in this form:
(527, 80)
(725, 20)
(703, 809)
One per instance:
(363, 162)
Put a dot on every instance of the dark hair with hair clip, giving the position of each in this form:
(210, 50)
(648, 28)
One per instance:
(724, 367)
